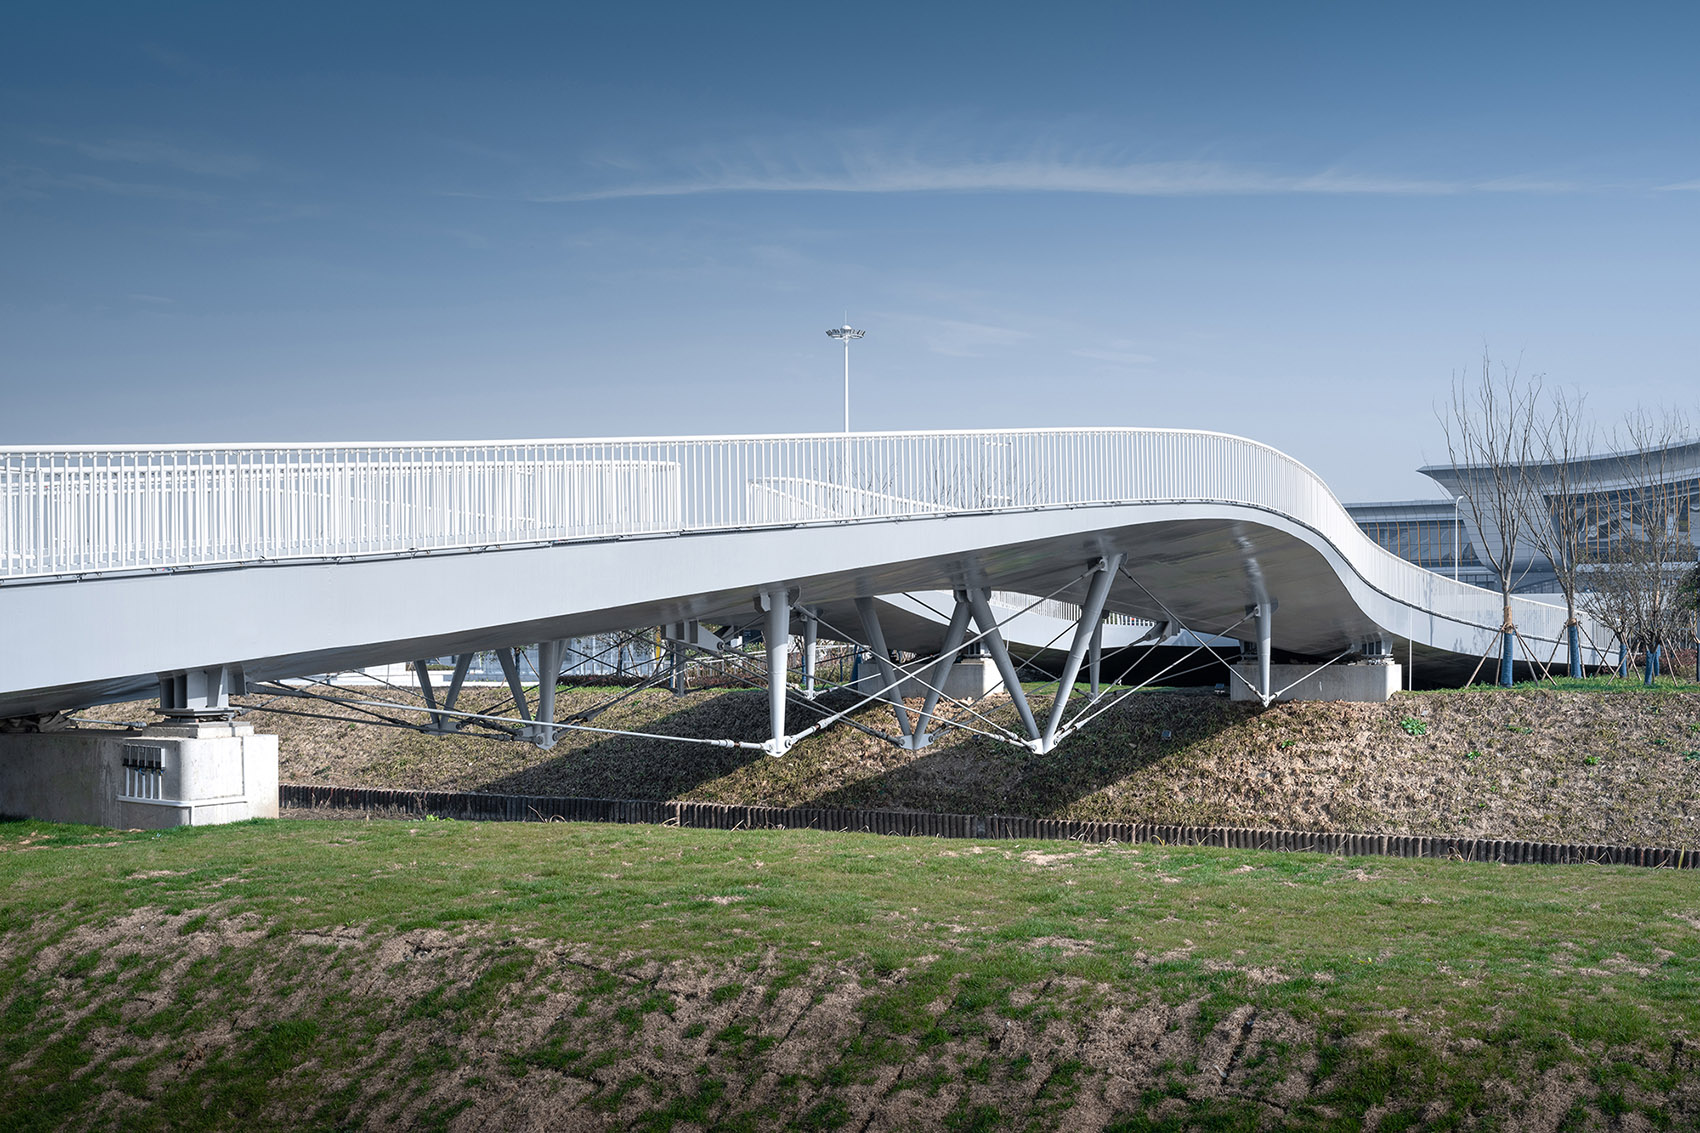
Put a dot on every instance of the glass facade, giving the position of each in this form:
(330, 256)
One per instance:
(1651, 499)
(1631, 513)
(1426, 542)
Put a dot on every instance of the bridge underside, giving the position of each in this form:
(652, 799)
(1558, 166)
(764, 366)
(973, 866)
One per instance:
(1198, 567)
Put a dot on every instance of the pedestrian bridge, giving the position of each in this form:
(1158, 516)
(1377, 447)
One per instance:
(189, 570)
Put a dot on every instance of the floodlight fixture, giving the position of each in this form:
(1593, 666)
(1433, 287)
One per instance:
(845, 334)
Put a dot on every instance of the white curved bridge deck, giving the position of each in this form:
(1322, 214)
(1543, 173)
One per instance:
(119, 565)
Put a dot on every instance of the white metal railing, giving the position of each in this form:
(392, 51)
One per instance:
(67, 511)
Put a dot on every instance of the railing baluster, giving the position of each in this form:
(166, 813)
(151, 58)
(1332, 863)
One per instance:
(75, 510)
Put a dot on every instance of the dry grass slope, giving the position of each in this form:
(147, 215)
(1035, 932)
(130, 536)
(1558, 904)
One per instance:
(1619, 766)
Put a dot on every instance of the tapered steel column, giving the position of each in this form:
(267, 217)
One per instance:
(890, 688)
(978, 599)
(440, 722)
(1264, 691)
(939, 672)
(548, 672)
(510, 670)
(677, 652)
(1095, 658)
(1090, 613)
(811, 627)
(463, 663)
(423, 671)
(776, 634)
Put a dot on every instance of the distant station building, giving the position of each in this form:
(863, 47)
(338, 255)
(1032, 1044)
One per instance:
(1616, 493)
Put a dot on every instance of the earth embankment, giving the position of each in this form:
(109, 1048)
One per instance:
(1619, 765)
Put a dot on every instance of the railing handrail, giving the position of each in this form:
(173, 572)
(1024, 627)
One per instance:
(699, 438)
(70, 510)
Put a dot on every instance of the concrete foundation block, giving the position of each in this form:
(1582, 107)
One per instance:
(193, 774)
(1369, 683)
(970, 678)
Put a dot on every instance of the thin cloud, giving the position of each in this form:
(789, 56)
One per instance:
(147, 151)
(1117, 357)
(882, 163)
(1137, 179)
(954, 338)
(23, 182)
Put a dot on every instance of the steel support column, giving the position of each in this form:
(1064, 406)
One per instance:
(1090, 615)
(1262, 612)
(463, 663)
(440, 722)
(522, 708)
(776, 635)
(939, 672)
(979, 600)
(890, 687)
(811, 629)
(549, 655)
(1095, 657)
(422, 670)
(676, 659)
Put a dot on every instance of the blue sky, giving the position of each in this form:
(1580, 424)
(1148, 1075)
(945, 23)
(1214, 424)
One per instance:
(1289, 221)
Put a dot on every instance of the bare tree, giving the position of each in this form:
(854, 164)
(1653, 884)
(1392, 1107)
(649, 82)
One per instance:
(1565, 473)
(1640, 554)
(1688, 606)
(1493, 436)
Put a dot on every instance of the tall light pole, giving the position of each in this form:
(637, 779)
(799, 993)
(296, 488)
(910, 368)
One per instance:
(845, 333)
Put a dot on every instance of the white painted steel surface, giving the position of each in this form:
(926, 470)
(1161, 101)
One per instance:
(83, 511)
(115, 563)
(71, 511)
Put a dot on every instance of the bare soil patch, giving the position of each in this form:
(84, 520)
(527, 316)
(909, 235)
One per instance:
(466, 1031)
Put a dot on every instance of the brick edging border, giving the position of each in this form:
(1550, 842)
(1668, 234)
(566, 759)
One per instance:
(727, 816)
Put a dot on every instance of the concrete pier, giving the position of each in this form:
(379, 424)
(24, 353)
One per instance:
(182, 774)
(1373, 683)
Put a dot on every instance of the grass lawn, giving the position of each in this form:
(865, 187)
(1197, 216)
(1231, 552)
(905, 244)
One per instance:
(344, 974)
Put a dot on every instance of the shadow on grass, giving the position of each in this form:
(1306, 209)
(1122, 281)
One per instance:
(846, 767)
(634, 767)
(980, 775)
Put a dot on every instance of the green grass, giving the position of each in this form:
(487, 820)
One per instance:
(1519, 970)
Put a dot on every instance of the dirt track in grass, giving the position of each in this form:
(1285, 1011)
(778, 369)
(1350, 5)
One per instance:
(1618, 767)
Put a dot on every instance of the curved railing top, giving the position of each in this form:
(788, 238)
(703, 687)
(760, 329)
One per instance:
(71, 510)
(838, 438)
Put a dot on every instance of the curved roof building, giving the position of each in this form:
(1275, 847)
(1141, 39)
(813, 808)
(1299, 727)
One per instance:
(1617, 494)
